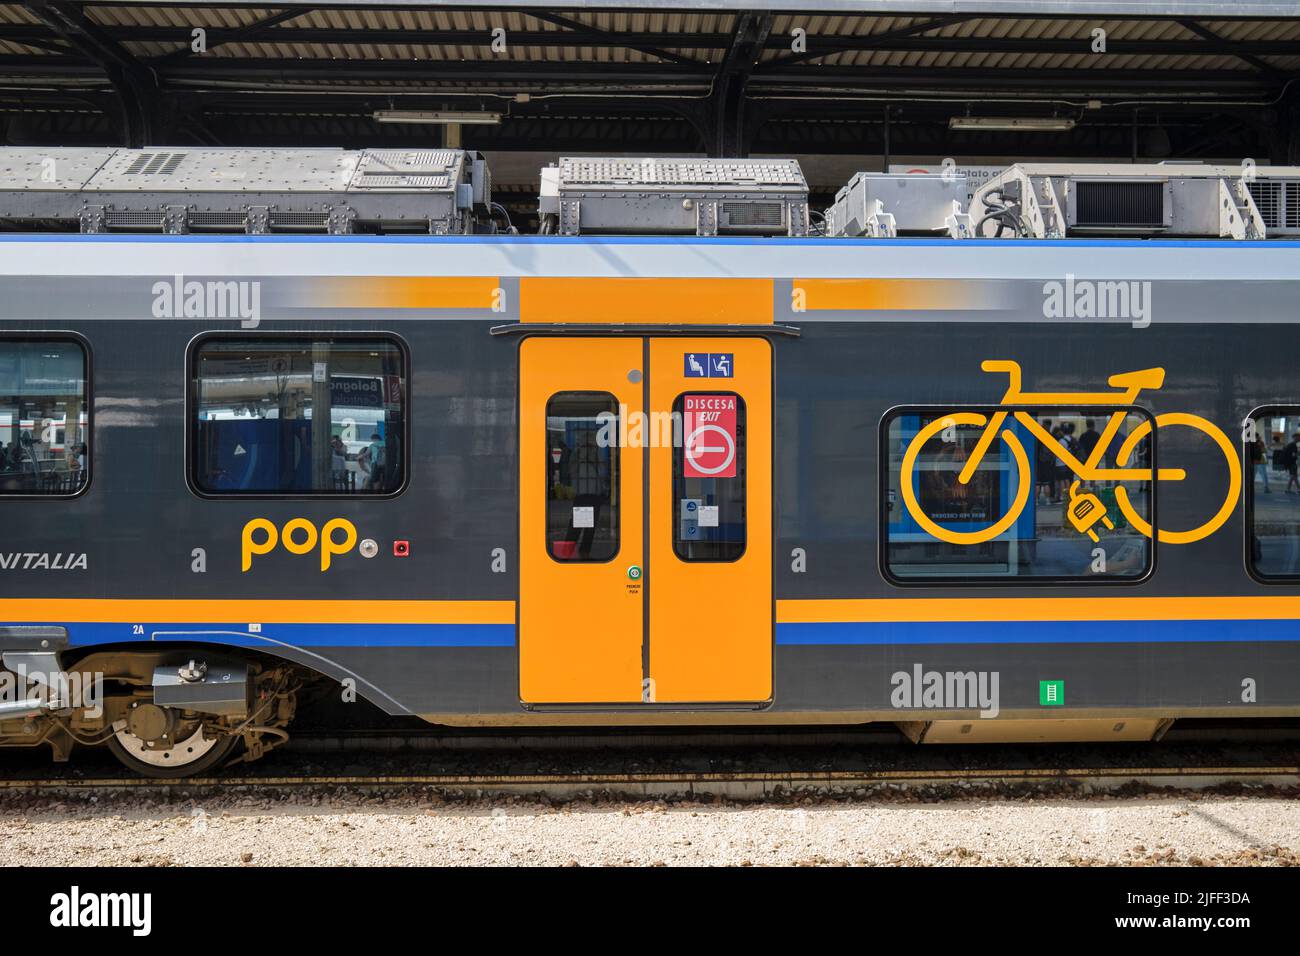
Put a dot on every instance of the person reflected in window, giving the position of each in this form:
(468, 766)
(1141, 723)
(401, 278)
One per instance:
(76, 467)
(363, 463)
(1045, 467)
(1060, 473)
(1290, 458)
(590, 474)
(378, 462)
(339, 463)
(1259, 457)
(1087, 442)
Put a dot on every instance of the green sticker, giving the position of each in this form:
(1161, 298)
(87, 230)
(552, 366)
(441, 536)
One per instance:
(1051, 693)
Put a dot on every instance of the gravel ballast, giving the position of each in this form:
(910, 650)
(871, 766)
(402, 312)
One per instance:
(302, 828)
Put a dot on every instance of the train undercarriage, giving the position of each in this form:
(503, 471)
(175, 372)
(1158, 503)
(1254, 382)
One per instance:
(178, 712)
(166, 713)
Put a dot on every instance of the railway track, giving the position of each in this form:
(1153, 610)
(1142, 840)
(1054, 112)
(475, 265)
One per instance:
(702, 763)
(732, 784)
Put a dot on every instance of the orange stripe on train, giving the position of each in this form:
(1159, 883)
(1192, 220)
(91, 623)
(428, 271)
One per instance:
(129, 611)
(1100, 609)
(660, 301)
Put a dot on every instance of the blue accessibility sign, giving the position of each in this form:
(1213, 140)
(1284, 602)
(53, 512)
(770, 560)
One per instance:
(709, 364)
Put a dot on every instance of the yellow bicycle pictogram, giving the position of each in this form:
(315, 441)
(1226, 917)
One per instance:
(1129, 386)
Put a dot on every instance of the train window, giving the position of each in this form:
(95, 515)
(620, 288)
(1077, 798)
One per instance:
(1273, 493)
(582, 476)
(986, 495)
(708, 511)
(44, 417)
(298, 415)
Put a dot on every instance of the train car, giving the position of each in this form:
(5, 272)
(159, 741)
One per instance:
(985, 489)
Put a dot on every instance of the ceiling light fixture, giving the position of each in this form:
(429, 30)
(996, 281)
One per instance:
(444, 117)
(1030, 124)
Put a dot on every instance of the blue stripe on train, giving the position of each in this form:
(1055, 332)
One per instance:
(1035, 632)
(305, 635)
(828, 633)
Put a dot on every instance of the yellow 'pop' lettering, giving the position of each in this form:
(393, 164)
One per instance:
(299, 536)
(330, 547)
(251, 547)
(298, 547)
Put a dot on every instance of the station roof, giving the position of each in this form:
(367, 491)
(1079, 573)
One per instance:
(1180, 79)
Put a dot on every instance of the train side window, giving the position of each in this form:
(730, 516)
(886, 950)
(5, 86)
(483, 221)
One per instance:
(582, 476)
(988, 495)
(44, 416)
(1273, 493)
(298, 415)
(708, 514)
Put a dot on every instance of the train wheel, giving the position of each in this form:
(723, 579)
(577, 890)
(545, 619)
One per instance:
(192, 754)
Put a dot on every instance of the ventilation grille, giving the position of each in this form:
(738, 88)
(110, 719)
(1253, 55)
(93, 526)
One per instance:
(279, 219)
(300, 219)
(234, 220)
(1119, 205)
(414, 159)
(386, 180)
(221, 219)
(753, 214)
(155, 164)
(134, 218)
(407, 169)
(1268, 199)
(1278, 201)
(678, 172)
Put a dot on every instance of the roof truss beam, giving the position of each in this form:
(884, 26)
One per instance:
(821, 46)
(1209, 36)
(574, 29)
(136, 85)
(216, 38)
(495, 76)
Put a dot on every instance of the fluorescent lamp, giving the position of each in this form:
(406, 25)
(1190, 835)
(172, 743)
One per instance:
(445, 117)
(1031, 124)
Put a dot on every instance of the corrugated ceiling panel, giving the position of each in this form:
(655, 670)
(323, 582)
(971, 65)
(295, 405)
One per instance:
(478, 24)
(129, 15)
(8, 48)
(11, 13)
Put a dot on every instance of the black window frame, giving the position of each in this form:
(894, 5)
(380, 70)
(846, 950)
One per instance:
(1026, 581)
(1248, 498)
(191, 420)
(616, 522)
(679, 456)
(87, 366)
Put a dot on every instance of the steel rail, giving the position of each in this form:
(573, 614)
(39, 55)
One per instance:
(665, 782)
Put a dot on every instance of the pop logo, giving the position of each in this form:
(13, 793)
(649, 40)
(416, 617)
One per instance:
(299, 536)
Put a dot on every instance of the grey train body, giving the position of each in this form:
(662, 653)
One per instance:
(1228, 343)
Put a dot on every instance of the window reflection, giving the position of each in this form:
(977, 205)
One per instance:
(1071, 522)
(583, 476)
(299, 416)
(709, 470)
(1273, 483)
(44, 418)
(582, 462)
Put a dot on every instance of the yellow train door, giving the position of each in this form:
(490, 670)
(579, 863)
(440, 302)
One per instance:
(645, 521)
(711, 522)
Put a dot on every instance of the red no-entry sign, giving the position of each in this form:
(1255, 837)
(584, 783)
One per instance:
(709, 430)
